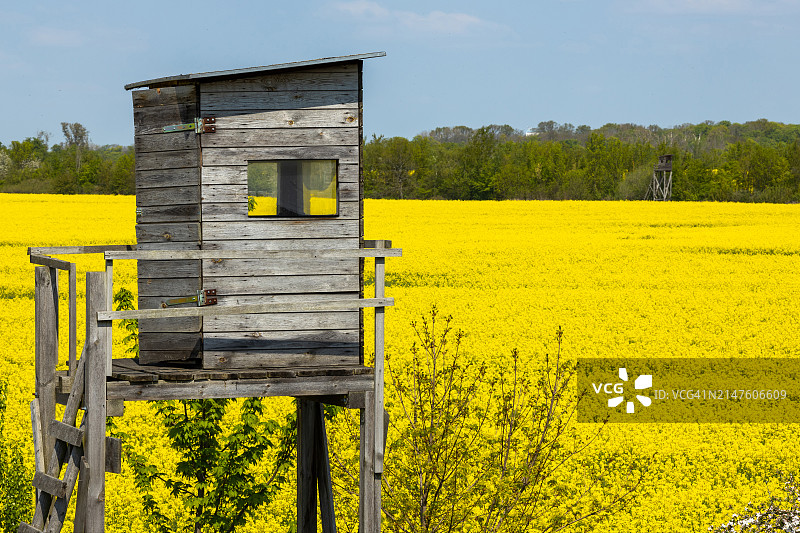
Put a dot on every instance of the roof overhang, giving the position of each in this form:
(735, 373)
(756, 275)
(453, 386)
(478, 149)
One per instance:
(182, 79)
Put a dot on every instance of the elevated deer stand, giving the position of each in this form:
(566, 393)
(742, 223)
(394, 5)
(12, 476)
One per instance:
(250, 254)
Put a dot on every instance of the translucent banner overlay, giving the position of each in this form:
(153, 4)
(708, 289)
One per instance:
(689, 390)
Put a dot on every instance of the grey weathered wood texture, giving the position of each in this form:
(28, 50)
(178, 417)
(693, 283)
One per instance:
(96, 362)
(46, 350)
(168, 208)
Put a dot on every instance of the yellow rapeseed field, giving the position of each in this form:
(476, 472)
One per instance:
(622, 279)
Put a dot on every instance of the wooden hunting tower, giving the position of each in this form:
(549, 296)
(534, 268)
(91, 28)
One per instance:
(661, 185)
(250, 252)
(264, 158)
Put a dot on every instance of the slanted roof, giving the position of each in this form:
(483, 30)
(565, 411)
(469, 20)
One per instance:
(206, 76)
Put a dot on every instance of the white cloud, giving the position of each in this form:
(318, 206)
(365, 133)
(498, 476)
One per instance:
(59, 37)
(431, 22)
(713, 7)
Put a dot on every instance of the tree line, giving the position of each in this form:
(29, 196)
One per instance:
(720, 161)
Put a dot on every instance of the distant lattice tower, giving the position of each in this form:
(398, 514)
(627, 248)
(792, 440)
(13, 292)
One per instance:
(661, 186)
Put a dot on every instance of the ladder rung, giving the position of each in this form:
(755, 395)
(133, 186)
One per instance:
(49, 484)
(27, 528)
(66, 433)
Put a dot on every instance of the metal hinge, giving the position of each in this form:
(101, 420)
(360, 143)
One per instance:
(205, 297)
(200, 125)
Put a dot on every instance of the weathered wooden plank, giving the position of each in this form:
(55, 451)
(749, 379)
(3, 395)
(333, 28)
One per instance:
(113, 455)
(309, 386)
(49, 484)
(366, 480)
(167, 160)
(46, 349)
(307, 439)
(51, 262)
(162, 142)
(380, 272)
(27, 528)
(237, 211)
(278, 229)
(278, 267)
(72, 309)
(282, 321)
(344, 243)
(186, 268)
(160, 256)
(96, 361)
(190, 343)
(278, 309)
(281, 137)
(67, 250)
(165, 96)
(264, 101)
(306, 80)
(266, 359)
(348, 192)
(168, 232)
(115, 408)
(287, 118)
(168, 196)
(167, 177)
(66, 433)
(240, 156)
(167, 288)
(226, 286)
(181, 325)
(323, 467)
(169, 245)
(279, 339)
(80, 499)
(237, 175)
(38, 446)
(168, 213)
(153, 119)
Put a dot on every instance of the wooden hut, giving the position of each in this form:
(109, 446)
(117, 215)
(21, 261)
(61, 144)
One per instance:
(263, 158)
(250, 277)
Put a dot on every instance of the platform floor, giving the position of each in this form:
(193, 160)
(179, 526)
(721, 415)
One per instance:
(132, 381)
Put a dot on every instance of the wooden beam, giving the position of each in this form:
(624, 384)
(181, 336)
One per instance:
(38, 447)
(306, 473)
(46, 319)
(80, 500)
(69, 250)
(323, 471)
(368, 522)
(288, 307)
(49, 484)
(240, 388)
(96, 360)
(380, 270)
(66, 433)
(50, 262)
(73, 318)
(164, 255)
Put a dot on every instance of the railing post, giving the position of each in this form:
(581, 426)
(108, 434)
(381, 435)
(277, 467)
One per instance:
(46, 317)
(97, 334)
(380, 271)
(109, 306)
(73, 319)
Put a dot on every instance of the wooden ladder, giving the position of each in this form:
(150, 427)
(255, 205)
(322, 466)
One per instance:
(54, 492)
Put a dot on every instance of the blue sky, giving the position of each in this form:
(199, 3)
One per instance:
(448, 63)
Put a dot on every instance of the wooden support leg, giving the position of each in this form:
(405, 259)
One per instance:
(95, 395)
(323, 467)
(46, 310)
(306, 473)
(369, 487)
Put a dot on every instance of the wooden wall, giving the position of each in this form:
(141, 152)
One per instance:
(168, 217)
(313, 113)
